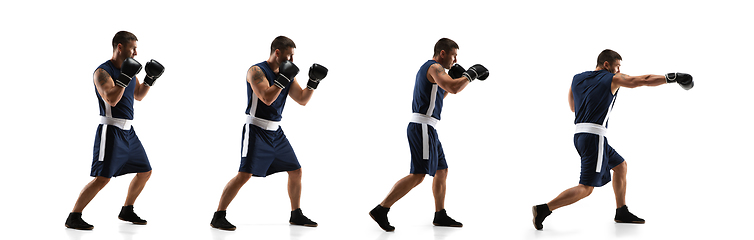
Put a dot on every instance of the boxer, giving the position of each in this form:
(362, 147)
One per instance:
(591, 97)
(265, 148)
(431, 86)
(117, 149)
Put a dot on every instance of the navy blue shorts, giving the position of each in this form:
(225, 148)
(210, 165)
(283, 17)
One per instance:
(123, 153)
(587, 145)
(427, 155)
(266, 152)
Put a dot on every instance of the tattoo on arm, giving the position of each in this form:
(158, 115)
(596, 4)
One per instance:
(257, 75)
(101, 76)
(622, 76)
(440, 71)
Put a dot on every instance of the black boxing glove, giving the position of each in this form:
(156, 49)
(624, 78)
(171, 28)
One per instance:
(128, 70)
(484, 76)
(683, 79)
(286, 73)
(154, 70)
(476, 71)
(456, 71)
(316, 74)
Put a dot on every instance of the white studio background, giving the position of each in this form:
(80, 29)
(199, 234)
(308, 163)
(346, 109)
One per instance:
(508, 139)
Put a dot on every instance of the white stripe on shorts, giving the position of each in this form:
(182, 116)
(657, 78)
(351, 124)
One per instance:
(103, 134)
(425, 121)
(425, 131)
(425, 142)
(245, 148)
(598, 130)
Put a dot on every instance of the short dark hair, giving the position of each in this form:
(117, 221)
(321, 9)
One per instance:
(444, 44)
(608, 55)
(122, 37)
(281, 42)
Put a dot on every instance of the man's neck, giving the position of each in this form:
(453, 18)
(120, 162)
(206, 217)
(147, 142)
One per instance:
(273, 63)
(116, 60)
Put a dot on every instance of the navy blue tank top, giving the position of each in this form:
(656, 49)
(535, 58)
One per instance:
(125, 107)
(427, 96)
(592, 96)
(256, 107)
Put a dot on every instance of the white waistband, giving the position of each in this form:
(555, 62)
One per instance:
(262, 123)
(421, 118)
(124, 124)
(591, 128)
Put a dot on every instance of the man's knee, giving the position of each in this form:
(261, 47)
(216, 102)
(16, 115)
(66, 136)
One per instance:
(295, 174)
(243, 176)
(586, 190)
(442, 173)
(621, 168)
(416, 179)
(144, 174)
(102, 181)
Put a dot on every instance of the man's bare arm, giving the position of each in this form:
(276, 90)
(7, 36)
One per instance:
(141, 90)
(106, 87)
(570, 100)
(301, 96)
(438, 74)
(623, 80)
(261, 86)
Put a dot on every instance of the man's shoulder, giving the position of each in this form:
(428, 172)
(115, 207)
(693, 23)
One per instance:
(106, 66)
(593, 74)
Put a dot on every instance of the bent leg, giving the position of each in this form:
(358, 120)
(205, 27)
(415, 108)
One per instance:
(231, 190)
(90, 190)
(438, 188)
(294, 188)
(294, 193)
(401, 188)
(570, 196)
(137, 184)
(619, 184)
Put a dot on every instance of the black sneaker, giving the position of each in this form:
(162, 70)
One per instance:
(442, 219)
(127, 214)
(622, 215)
(379, 215)
(219, 222)
(74, 221)
(298, 218)
(540, 212)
